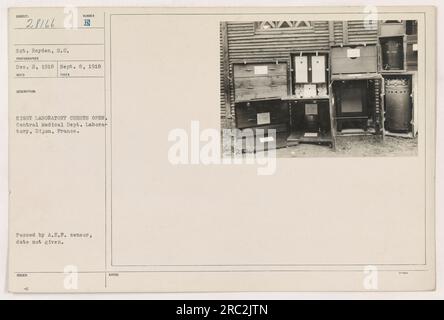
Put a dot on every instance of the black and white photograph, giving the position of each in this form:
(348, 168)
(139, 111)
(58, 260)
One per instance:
(233, 152)
(320, 88)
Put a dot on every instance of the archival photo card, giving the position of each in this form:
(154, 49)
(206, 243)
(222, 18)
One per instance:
(221, 149)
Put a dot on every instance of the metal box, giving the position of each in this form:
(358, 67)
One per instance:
(398, 103)
(393, 54)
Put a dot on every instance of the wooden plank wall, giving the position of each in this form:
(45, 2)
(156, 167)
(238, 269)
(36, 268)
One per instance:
(246, 43)
(359, 33)
(338, 33)
(225, 119)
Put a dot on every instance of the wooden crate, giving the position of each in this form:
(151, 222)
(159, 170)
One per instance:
(354, 59)
(390, 28)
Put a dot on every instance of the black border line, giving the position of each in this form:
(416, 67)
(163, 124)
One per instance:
(217, 271)
(105, 272)
(106, 128)
(258, 265)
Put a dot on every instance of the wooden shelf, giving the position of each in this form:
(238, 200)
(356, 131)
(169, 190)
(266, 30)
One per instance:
(300, 137)
(295, 98)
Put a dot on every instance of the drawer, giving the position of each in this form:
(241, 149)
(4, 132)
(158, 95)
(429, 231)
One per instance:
(260, 81)
(251, 82)
(260, 92)
(358, 59)
(249, 88)
(259, 70)
(251, 142)
(261, 113)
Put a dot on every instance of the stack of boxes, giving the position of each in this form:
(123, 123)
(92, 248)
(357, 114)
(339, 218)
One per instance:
(289, 96)
(398, 65)
(357, 90)
(259, 87)
(309, 99)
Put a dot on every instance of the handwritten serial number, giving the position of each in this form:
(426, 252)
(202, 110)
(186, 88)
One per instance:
(40, 23)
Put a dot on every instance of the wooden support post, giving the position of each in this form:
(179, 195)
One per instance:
(226, 73)
(345, 32)
(377, 115)
(382, 97)
(414, 100)
(333, 123)
(331, 30)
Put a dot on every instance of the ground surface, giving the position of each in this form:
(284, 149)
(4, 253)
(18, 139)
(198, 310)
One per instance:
(355, 146)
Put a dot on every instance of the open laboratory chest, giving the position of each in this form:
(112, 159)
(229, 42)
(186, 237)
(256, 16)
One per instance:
(398, 65)
(310, 122)
(358, 104)
(357, 90)
(257, 118)
(309, 101)
(261, 116)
